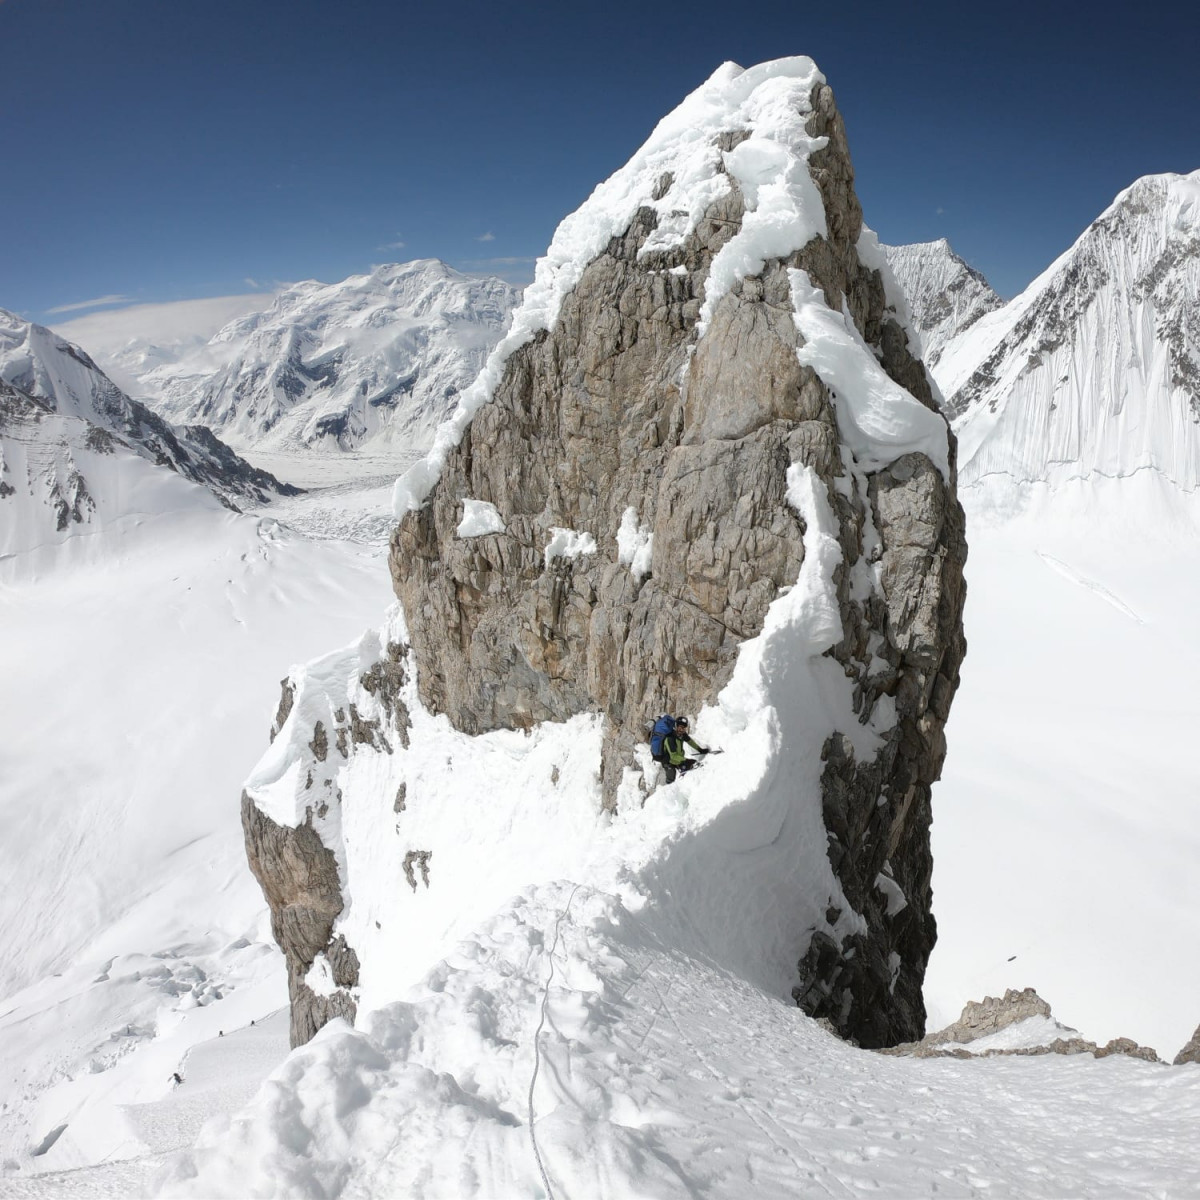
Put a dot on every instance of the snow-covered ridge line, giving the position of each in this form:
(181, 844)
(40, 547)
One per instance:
(1095, 367)
(945, 294)
(784, 212)
(878, 419)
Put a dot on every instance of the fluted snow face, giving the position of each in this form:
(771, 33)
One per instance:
(374, 358)
(1095, 368)
(945, 295)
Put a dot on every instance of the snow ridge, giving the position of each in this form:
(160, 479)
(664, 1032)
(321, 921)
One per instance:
(945, 295)
(1095, 368)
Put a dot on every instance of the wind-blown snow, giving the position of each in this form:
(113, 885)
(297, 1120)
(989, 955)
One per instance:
(772, 101)
(480, 517)
(877, 418)
(129, 343)
(635, 544)
(568, 543)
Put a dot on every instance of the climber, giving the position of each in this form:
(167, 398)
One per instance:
(667, 741)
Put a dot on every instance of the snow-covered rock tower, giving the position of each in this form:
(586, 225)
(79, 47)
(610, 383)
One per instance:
(703, 473)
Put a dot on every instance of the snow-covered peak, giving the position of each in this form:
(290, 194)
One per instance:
(945, 295)
(378, 357)
(49, 376)
(747, 125)
(129, 343)
(1095, 367)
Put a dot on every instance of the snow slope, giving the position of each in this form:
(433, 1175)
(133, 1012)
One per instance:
(945, 295)
(141, 662)
(62, 475)
(373, 360)
(97, 418)
(1095, 368)
(1065, 837)
(572, 1046)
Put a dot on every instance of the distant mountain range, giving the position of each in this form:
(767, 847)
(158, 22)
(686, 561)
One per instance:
(1095, 367)
(375, 359)
(76, 451)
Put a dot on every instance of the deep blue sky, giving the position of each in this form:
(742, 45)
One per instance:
(169, 149)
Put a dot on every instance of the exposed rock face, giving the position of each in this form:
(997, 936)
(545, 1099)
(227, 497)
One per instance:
(990, 1015)
(299, 878)
(621, 405)
(1191, 1052)
(297, 871)
(981, 1019)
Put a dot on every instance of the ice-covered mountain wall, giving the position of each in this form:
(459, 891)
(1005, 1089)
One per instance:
(946, 296)
(703, 473)
(60, 411)
(1094, 370)
(375, 358)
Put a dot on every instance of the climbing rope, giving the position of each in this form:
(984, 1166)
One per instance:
(537, 1046)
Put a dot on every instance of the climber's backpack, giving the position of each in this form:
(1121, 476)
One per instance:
(663, 727)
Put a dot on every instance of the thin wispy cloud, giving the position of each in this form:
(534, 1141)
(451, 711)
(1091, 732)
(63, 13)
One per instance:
(476, 263)
(251, 282)
(398, 244)
(486, 237)
(99, 302)
(940, 210)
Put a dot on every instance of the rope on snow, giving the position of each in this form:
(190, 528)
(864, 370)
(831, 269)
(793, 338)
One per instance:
(537, 1045)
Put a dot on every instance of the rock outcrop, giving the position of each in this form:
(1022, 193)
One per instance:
(636, 458)
(1042, 1034)
(1191, 1052)
(622, 406)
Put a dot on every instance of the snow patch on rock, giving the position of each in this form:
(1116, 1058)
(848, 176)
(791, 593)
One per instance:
(568, 543)
(635, 544)
(480, 517)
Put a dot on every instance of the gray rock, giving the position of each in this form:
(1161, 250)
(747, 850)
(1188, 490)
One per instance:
(990, 1015)
(623, 405)
(299, 878)
(982, 1018)
(590, 419)
(1191, 1052)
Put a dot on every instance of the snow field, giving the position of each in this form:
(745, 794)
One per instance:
(664, 1075)
(1064, 830)
(141, 665)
